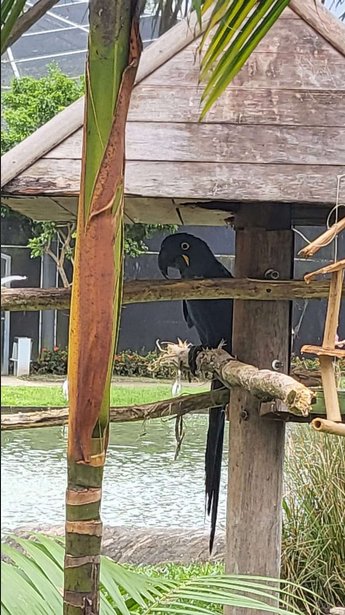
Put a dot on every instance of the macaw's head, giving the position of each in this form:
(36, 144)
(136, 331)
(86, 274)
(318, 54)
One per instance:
(187, 253)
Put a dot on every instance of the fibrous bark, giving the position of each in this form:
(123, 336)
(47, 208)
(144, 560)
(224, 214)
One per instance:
(262, 383)
(176, 406)
(142, 291)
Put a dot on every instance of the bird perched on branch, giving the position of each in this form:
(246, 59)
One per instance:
(212, 319)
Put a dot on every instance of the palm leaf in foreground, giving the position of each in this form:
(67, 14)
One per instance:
(234, 30)
(10, 11)
(33, 585)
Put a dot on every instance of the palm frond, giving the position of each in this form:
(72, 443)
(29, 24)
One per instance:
(10, 11)
(33, 584)
(234, 30)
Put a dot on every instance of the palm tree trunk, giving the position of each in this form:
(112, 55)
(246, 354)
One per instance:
(114, 51)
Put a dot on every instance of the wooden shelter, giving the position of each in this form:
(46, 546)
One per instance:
(276, 135)
(268, 155)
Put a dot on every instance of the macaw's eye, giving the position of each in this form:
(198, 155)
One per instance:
(185, 246)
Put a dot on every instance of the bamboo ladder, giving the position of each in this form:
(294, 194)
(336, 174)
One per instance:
(328, 351)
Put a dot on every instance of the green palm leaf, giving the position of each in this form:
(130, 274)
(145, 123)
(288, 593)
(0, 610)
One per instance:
(10, 11)
(242, 24)
(32, 585)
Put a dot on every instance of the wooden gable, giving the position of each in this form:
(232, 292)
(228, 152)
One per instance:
(276, 134)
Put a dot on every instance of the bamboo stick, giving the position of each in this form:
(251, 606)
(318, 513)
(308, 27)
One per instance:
(142, 291)
(337, 266)
(333, 309)
(326, 426)
(323, 240)
(330, 389)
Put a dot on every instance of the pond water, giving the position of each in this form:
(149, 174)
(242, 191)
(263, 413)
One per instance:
(143, 485)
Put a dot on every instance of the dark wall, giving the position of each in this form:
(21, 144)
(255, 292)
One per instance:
(311, 330)
(142, 324)
(15, 233)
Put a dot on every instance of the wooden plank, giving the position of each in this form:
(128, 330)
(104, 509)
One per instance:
(286, 37)
(168, 103)
(164, 211)
(42, 208)
(263, 70)
(191, 180)
(158, 141)
(256, 447)
(172, 211)
(323, 352)
(288, 14)
(322, 20)
(142, 291)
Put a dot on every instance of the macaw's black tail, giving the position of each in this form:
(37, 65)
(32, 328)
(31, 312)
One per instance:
(213, 462)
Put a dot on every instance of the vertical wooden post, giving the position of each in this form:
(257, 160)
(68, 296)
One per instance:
(261, 334)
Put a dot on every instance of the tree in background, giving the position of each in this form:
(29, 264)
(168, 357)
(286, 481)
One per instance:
(29, 104)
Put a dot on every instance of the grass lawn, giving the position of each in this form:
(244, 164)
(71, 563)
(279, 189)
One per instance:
(120, 396)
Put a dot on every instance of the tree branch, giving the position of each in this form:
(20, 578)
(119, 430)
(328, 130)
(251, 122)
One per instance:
(137, 291)
(28, 19)
(262, 383)
(176, 406)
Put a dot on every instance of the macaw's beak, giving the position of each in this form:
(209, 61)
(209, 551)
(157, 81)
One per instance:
(163, 263)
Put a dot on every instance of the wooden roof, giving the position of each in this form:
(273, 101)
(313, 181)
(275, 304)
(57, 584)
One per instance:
(276, 134)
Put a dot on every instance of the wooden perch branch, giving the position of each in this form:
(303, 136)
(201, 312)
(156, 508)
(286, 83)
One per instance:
(262, 383)
(176, 406)
(142, 291)
(323, 240)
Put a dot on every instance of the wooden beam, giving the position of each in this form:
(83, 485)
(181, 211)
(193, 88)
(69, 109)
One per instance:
(51, 417)
(284, 183)
(261, 333)
(263, 384)
(143, 291)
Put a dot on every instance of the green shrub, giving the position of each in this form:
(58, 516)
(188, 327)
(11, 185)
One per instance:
(127, 363)
(314, 516)
(51, 361)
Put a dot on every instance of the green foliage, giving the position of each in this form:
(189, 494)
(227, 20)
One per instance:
(314, 517)
(135, 235)
(51, 361)
(10, 11)
(133, 364)
(127, 364)
(31, 102)
(32, 582)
